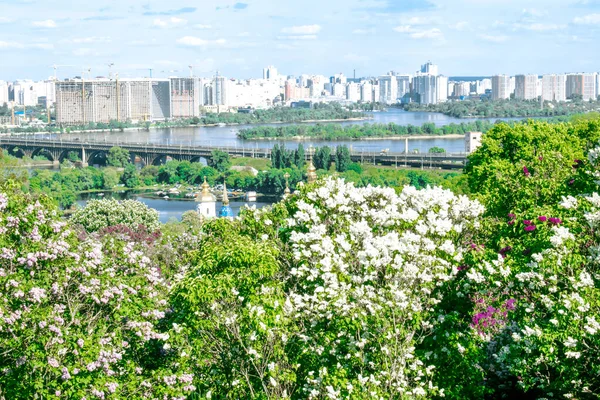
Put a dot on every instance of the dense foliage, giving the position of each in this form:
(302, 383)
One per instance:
(100, 214)
(506, 108)
(336, 292)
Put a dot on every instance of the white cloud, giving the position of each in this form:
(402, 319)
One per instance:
(590, 19)
(420, 20)
(302, 30)
(4, 20)
(434, 33)
(404, 29)
(45, 24)
(85, 52)
(203, 26)
(459, 26)
(538, 27)
(199, 42)
(364, 31)
(169, 22)
(494, 38)
(17, 45)
(91, 39)
(298, 37)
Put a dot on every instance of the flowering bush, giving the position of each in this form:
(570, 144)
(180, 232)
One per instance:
(99, 214)
(78, 318)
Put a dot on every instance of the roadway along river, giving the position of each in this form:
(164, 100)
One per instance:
(226, 135)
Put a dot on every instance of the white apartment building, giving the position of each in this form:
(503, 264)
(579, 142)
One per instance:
(441, 87)
(472, 141)
(583, 85)
(388, 93)
(105, 100)
(376, 93)
(339, 90)
(429, 69)
(554, 87)
(500, 87)
(403, 85)
(4, 93)
(424, 86)
(270, 73)
(460, 89)
(483, 85)
(353, 92)
(366, 92)
(526, 87)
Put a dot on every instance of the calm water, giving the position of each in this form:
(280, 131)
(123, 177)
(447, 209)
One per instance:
(172, 208)
(226, 136)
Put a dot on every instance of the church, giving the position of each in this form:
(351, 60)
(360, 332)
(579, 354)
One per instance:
(208, 203)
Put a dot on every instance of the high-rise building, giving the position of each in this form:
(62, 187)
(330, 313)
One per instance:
(554, 87)
(366, 92)
(484, 85)
(429, 69)
(441, 87)
(187, 96)
(583, 85)
(339, 78)
(500, 87)
(403, 85)
(388, 93)
(270, 73)
(4, 93)
(376, 93)
(104, 100)
(339, 90)
(219, 91)
(526, 87)
(353, 92)
(425, 88)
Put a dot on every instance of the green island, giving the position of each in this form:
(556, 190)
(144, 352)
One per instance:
(336, 131)
(339, 291)
(507, 108)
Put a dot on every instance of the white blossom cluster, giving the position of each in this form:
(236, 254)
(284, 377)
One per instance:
(98, 214)
(367, 262)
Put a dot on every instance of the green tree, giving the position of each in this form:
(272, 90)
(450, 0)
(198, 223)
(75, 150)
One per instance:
(322, 159)
(130, 177)
(219, 160)
(343, 159)
(118, 157)
(111, 179)
(73, 156)
(437, 150)
(299, 158)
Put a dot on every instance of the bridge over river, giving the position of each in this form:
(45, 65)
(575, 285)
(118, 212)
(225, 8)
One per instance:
(154, 154)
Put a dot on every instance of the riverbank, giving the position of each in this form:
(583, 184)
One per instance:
(401, 137)
(152, 127)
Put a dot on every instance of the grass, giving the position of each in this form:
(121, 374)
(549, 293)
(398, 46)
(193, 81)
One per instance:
(258, 163)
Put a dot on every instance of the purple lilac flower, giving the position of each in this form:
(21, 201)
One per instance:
(527, 222)
(530, 228)
(571, 182)
(555, 221)
(526, 171)
(505, 250)
(512, 216)
(542, 218)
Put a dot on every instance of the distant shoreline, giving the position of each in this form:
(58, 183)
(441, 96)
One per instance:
(402, 137)
(140, 128)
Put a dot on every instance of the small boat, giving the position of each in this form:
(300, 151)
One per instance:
(221, 124)
(166, 197)
(251, 196)
(101, 194)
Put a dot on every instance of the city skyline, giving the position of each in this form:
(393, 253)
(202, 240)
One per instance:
(240, 38)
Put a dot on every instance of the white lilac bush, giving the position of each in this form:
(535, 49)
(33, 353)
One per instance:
(99, 214)
(78, 319)
(366, 265)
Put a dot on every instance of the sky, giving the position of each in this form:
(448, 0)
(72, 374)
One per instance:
(241, 37)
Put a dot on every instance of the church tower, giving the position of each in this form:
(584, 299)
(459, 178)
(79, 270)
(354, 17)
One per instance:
(226, 211)
(208, 203)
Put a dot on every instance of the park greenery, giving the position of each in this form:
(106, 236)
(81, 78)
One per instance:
(487, 108)
(339, 291)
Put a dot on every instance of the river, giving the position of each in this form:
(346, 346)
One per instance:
(227, 135)
(171, 208)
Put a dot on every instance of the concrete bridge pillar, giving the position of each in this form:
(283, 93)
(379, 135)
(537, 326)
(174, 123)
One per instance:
(84, 160)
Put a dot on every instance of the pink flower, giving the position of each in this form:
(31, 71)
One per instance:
(530, 228)
(542, 218)
(526, 171)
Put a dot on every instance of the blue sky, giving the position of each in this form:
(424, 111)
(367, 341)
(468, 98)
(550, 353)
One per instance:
(240, 37)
